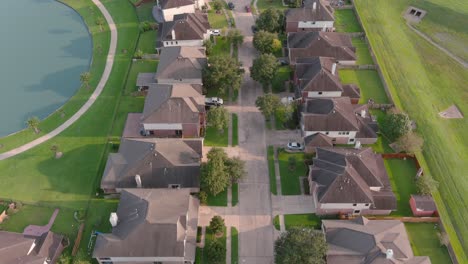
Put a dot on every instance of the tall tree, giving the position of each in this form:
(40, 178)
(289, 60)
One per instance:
(215, 178)
(235, 168)
(410, 142)
(271, 20)
(85, 78)
(268, 104)
(395, 125)
(222, 73)
(217, 224)
(264, 41)
(100, 22)
(215, 251)
(426, 185)
(301, 245)
(218, 117)
(235, 37)
(264, 69)
(217, 5)
(33, 123)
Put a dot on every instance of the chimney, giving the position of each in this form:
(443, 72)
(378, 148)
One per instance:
(173, 34)
(334, 68)
(389, 254)
(314, 6)
(113, 219)
(363, 113)
(138, 181)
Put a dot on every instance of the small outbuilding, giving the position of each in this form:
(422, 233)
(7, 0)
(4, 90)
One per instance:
(422, 205)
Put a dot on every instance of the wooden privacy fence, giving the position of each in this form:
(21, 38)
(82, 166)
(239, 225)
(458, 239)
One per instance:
(78, 240)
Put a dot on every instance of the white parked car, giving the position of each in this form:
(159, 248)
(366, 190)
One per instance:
(295, 146)
(215, 32)
(214, 101)
(287, 100)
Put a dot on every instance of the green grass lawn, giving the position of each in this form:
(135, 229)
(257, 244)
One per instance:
(424, 81)
(217, 21)
(138, 67)
(147, 42)
(283, 74)
(362, 51)
(265, 4)
(271, 169)
(234, 246)
(402, 174)
(290, 184)
(235, 194)
(221, 47)
(276, 222)
(235, 130)
(145, 12)
(346, 21)
(218, 200)
(200, 257)
(302, 220)
(368, 81)
(214, 139)
(425, 242)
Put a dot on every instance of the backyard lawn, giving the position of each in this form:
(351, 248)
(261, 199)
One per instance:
(138, 67)
(271, 169)
(265, 4)
(402, 174)
(346, 21)
(425, 242)
(217, 21)
(214, 139)
(423, 82)
(368, 81)
(235, 130)
(147, 42)
(145, 12)
(362, 51)
(282, 76)
(290, 177)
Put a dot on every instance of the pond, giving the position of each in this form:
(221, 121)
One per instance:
(44, 47)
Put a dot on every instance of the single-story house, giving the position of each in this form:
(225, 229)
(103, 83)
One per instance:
(317, 77)
(318, 17)
(174, 110)
(17, 248)
(423, 205)
(151, 226)
(350, 181)
(367, 241)
(339, 120)
(167, 9)
(186, 30)
(321, 44)
(148, 163)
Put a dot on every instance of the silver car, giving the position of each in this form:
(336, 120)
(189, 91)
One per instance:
(295, 146)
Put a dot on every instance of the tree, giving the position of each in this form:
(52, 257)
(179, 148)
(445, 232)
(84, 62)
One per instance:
(217, 5)
(284, 113)
(33, 123)
(294, 3)
(85, 78)
(410, 142)
(264, 69)
(100, 22)
(215, 178)
(222, 73)
(215, 251)
(235, 37)
(203, 197)
(443, 238)
(208, 46)
(235, 168)
(218, 117)
(271, 20)
(217, 225)
(301, 245)
(264, 41)
(426, 185)
(139, 54)
(268, 104)
(395, 125)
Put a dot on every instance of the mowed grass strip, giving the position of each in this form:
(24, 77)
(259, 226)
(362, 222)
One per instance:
(234, 246)
(271, 169)
(368, 81)
(235, 130)
(423, 82)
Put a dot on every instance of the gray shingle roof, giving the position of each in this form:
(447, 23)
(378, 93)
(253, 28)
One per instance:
(166, 4)
(330, 114)
(159, 162)
(152, 223)
(315, 74)
(181, 63)
(188, 26)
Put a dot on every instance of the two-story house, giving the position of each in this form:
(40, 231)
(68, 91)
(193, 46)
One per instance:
(151, 226)
(319, 17)
(190, 29)
(347, 180)
(167, 9)
(325, 44)
(317, 77)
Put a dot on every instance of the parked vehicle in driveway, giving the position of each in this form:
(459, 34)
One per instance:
(247, 8)
(287, 100)
(254, 29)
(283, 62)
(214, 101)
(295, 146)
(231, 5)
(215, 32)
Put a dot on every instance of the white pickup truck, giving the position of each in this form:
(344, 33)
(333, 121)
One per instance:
(213, 101)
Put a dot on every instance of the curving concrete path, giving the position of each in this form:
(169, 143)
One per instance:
(94, 96)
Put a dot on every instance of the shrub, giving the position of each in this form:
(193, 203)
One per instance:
(215, 251)
(203, 197)
(217, 224)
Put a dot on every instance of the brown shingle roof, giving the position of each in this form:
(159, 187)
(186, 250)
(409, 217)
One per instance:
(315, 74)
(191, 26)
(181, 63)
(166, 4)
(321, 13)
(330, 114)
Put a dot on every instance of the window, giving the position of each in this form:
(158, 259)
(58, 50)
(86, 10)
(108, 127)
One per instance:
(174, 186)
(354, 204)
(351, 140)
(357, 211)
(366, 204)
(178, 132)
(319, 92)
(333, 139)
(176, 42)
(326, 133)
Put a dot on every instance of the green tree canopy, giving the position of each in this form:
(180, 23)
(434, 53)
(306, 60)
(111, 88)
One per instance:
(85, 78)
(264, 41)
(218, 117)
(222, 73)
(268, 104)
(235, 37)
(235, 168)
(217, 5)
(215, 251)
(426, 185)
(301, 245)
(271, 20)
(394, 126)
(410, 142)
(33, 123)
(264, 69)
(217, 224)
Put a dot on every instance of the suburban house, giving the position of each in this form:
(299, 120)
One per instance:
(369, 241)
(339, 120)
(167, 9)
(325, 44)
(186, 30)
(173, 110)
(146, 163)
(17, 248)
(317, 77)
(151, 226)
(423, 205)
(319, 17)
(350, 181)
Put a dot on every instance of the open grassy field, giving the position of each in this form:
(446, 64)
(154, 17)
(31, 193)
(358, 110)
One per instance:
(425, 242)
(368, 81)
(290, 183)
(446, 24)
(401, 174)
(345, 21)
(423, 81)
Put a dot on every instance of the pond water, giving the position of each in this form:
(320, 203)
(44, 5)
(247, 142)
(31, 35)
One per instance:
(44, 47)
